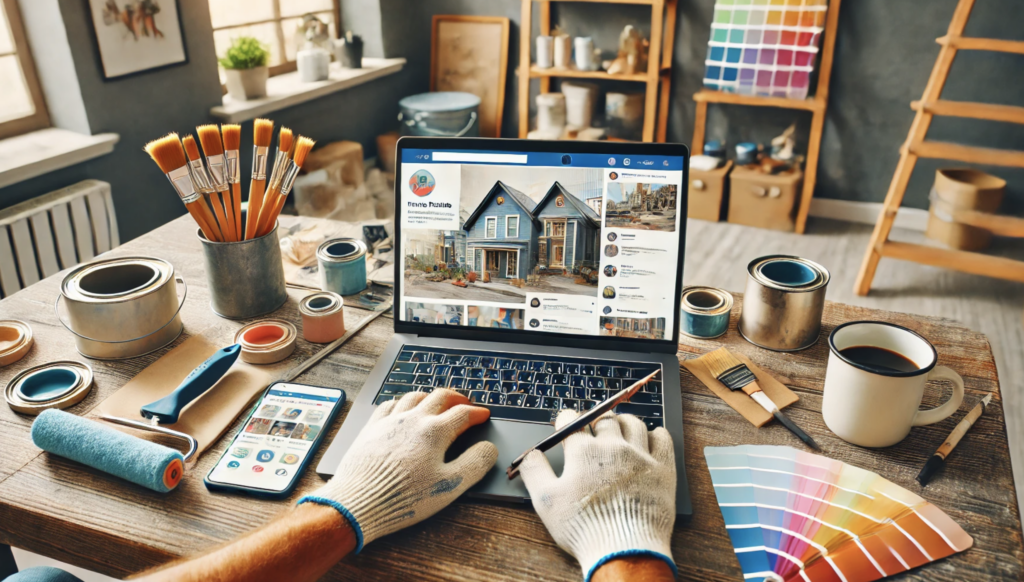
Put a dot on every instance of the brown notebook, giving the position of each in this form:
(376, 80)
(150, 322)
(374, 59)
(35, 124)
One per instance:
(743, 404)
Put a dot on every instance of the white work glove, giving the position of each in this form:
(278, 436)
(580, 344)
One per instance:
(394, 474)
(617, 493)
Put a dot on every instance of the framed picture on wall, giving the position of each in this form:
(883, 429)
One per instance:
(137, 35)
(463, 55)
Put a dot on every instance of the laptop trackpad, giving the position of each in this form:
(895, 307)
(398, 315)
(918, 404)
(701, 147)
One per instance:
(511, 438)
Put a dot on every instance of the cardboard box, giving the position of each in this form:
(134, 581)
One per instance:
(764, 200)
(708, 191)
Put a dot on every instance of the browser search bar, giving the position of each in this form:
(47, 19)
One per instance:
(485, 158)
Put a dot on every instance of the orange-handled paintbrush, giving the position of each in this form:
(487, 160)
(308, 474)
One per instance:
(282, 159)
(302, 149)
(263, 133)
(209, 136)
(168, 153)
(201, 179)
(232, 141)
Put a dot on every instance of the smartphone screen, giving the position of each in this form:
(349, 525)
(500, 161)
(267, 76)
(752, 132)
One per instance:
(275, 441)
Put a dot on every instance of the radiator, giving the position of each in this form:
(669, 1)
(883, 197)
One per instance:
(55, 231)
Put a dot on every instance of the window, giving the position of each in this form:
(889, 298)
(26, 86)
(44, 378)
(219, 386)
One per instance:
(558, 229)
(511, 227)
(22, 108)
(274, 22)
(491, 227)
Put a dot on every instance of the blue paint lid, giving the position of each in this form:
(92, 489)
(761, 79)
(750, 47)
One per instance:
(440, 101)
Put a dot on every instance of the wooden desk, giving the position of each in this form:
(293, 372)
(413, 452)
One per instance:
(61, 509)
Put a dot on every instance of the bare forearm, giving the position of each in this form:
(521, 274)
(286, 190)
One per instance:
(299, 546)
(634, 569)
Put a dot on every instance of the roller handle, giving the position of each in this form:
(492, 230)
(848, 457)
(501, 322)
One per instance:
(167, 409)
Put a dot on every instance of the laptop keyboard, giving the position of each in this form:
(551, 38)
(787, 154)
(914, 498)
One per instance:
(525, 387)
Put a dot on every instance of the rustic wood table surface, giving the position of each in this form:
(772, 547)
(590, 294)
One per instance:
(61, 509)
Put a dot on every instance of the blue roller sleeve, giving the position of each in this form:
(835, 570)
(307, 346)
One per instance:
(100, 447)
(167, 409)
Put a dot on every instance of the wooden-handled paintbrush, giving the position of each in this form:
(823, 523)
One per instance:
(302, 148)
(282, 160)
(232, 142)
(735, 375)
(201, 179)
(263, 133)
(213, 149)
(169, 154)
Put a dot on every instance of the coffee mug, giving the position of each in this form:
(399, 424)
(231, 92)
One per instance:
(875, 381)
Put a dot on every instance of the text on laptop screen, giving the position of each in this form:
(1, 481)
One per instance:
(572, 243)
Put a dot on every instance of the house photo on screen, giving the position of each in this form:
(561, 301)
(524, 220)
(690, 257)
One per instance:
(137, 35)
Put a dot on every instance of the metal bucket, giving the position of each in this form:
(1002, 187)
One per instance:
(246, 278)
(342, 265)
(122, 308)
(783, 303)
(440, 114)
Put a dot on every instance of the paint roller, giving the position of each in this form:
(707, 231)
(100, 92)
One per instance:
(140, 461)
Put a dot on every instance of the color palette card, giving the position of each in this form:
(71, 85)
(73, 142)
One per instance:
(764, 47)
(794, 516)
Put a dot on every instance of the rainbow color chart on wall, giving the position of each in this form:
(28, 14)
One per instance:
(764, 47)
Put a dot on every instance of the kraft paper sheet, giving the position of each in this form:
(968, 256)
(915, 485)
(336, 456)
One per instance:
(743, 404)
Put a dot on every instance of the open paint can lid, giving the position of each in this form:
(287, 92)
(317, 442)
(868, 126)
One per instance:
(789, 273)
(15, 340)
(267, 341)
(59, 384)
(341, 250)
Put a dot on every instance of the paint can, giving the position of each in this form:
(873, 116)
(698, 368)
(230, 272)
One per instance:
(15, 341)
(440, 114)
(60, 384)
(783, 303)
(342, 265)
(562, 53)
(323, 317)
(704, 312)
(122, 308)
(266, 342)
(246, 278)
(545, 48)
(584, 54)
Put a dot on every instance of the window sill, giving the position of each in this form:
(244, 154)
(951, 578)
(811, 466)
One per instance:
(33, 154)
(287, 90)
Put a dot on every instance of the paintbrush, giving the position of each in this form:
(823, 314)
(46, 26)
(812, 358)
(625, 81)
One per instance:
(282, 160)
(168, 153)
(938, 459)
(201, 179)
(302, 148)
(232, 143)
(213, 149)
(735, 375)
(579, 422)
(263, 133)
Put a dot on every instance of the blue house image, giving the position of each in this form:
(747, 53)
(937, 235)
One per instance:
(569, 231)
(501, 234)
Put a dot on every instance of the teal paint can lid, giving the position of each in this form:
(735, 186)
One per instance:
(60, 384)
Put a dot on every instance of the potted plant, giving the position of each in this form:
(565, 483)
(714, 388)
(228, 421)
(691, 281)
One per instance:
(245, 65)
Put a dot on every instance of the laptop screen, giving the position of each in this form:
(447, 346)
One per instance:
(567, 242)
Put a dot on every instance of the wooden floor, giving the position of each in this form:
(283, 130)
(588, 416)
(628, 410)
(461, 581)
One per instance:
(717, 255)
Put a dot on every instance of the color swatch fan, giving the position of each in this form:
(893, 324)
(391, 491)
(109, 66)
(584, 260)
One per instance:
(796, 516)
(764, 47)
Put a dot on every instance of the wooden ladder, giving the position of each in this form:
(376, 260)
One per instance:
(930, 105)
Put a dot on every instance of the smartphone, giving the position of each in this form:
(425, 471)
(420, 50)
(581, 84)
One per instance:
(277, 441)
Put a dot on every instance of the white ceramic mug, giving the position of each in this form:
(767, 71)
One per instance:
(872, 408)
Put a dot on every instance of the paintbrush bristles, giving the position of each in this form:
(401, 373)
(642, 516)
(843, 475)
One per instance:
(720, 361)
(167, 153)
(262, 132)
(191, 149)
(302, 148)
(209, 136)
(232, 136)
(284, 141)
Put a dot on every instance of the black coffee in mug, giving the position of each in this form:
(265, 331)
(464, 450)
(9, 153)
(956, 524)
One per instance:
(880, 359)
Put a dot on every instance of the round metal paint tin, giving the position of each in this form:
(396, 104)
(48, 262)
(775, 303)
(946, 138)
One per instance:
(122, 308)
(267, 342)
(342, 265)
(60, 384)
(704, 312)
(440, 114)
(783, 303)
(15, 341)
(323, 317)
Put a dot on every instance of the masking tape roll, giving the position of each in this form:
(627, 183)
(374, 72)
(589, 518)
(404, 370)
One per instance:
(323, 317)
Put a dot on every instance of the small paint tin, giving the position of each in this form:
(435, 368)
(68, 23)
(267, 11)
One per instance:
(59, 384)
(783, 303)
(704, 312)
(267, 342)
(15, 341)
(323, 317)
(342, 265)
(746, 153)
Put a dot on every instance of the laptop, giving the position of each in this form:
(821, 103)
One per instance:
(532, 277)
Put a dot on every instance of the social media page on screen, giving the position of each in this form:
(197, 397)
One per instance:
(572, 243)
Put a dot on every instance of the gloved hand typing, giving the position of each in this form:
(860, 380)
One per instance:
(394, 474)
(616, 494)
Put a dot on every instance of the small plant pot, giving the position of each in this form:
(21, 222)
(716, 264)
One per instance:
(246, 84)
(471, 276)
